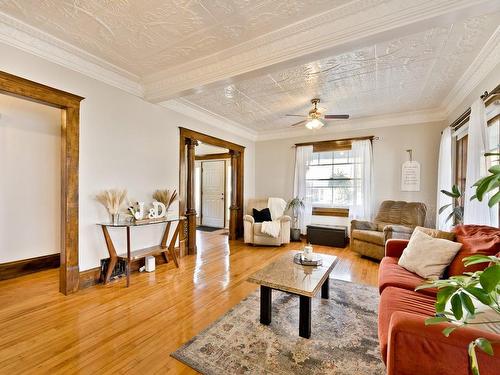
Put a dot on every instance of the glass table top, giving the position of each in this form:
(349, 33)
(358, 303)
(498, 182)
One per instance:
(283, 274)
(131, 223)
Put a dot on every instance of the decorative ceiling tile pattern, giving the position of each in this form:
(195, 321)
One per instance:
(407, 74)
(146, 36)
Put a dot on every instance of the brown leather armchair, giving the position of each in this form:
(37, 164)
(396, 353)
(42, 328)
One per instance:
(395, 219)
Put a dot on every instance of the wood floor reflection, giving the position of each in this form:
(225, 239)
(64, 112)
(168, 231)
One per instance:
(112, 329)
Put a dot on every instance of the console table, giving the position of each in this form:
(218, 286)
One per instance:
(163, 248)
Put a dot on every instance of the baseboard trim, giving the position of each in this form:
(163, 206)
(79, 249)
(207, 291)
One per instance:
(22, 267)
(92, 276)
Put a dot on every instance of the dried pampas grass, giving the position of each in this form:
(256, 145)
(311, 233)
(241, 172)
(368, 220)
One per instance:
(165, 196)
(112, 199)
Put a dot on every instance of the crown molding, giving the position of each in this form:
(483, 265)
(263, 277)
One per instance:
(361, 123)
(27, 38)
(484, 63)
(194, 111)
(334, 31)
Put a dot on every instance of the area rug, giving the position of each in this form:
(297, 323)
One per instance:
(343, 338)
(204, 228)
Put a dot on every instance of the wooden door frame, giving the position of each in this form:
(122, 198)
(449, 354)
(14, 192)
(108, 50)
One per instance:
(70, 141)
(188, 139)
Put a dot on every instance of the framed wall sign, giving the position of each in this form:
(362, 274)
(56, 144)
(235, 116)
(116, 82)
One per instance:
(410, 176)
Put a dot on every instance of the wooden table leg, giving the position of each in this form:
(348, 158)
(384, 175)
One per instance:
(113, 258)
(171, 246)
(128, 257)
(164, 239)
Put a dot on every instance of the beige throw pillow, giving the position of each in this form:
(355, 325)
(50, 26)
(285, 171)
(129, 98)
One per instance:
(436, 233)
(428, 257)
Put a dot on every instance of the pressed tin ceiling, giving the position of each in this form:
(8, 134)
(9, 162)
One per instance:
(146, 36)
(253, 61)
(411, 73)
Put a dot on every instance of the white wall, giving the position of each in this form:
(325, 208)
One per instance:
(124, 142)
(30, 144)
(274, 164)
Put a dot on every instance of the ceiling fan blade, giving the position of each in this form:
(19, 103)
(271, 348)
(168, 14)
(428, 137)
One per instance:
(296, 116)
(299, 123)
(331, 117)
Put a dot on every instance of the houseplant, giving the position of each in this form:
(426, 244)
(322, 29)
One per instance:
(489, 183)
(296, 205)
(457, 210)
(458, 299)
(461, 298)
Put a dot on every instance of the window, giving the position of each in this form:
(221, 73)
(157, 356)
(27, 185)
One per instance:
(330, 179)
(493, 135)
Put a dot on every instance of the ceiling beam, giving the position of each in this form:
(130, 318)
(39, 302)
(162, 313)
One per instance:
(336, 31)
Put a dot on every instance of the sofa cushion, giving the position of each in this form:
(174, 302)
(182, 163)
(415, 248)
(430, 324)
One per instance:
(475, 239)
(428, 257)
(381, 225)
(395, 299)
(436, 233)
(400, 212)
(368, 236)
(392, 274)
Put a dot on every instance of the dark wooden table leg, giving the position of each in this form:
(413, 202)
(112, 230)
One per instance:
(113, 258)
(305, 317)
(128, 257)
(265, 304)
(164, 239)
(171, 246)
(325, 289)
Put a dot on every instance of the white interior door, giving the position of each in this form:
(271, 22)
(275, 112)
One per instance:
(213, 193)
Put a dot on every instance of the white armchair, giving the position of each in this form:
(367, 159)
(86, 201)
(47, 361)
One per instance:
(252, 230)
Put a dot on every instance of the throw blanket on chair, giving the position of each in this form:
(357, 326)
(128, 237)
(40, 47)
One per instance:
(277, 208)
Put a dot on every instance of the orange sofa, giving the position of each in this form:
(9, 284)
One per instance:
(407, 345)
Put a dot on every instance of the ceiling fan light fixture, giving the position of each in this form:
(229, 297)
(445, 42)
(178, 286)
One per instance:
(314, 124)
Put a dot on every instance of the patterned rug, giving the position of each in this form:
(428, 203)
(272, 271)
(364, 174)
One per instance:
(343, 338)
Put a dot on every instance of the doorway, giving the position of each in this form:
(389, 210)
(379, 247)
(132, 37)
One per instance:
(69, 104)
(30, 138)
(213, 189)
(226, 153)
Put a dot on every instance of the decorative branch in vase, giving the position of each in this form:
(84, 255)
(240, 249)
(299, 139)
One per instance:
(296, 205)
(166, 197)
(112, 200)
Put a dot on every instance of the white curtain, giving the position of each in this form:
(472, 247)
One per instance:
(362, 198)
(476, 212)
(303, 157)
(445, 180)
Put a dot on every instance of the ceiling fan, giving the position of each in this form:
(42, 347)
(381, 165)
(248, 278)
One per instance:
(316, 119)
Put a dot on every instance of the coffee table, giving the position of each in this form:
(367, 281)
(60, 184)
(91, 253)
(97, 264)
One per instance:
(305, 281)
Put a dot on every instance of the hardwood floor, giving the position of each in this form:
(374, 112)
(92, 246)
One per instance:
(111, 329)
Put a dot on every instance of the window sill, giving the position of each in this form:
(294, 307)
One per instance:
(323, 211)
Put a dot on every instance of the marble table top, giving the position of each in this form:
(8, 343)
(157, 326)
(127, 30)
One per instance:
(285, 275)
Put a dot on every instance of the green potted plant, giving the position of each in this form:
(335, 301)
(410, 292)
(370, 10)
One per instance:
(460, 298)
(296, 205)
(489, 183)
(457, 212)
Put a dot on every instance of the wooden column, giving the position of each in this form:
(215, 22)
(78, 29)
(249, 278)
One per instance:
(190, 205)
(69, 273)
(233, 220)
